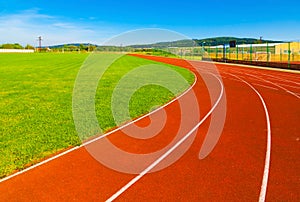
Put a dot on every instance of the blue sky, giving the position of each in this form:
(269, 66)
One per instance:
(96, 21)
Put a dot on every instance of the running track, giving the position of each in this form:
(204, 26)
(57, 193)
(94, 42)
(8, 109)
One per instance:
(256, 157)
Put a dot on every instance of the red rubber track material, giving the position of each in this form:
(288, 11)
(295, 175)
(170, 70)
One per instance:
(232, 172)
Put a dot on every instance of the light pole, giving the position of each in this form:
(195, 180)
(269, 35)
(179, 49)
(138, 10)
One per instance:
(289, 54)
(202, 45)
(193, 49)
(40, 43)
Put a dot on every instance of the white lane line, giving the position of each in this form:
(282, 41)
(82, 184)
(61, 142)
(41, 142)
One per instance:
(233, 79)
(269, 87)
(297, 77)
(98, 138)
(288, 86)
(274, 70)
(295, 72)
(278, 79)
(275, 77)
(155, 163)
(279, 86)
(38, 164)
(256, 79)
(152, 112)
(263, 190)
(286, 90)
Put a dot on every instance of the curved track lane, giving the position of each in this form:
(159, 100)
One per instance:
(237, 169)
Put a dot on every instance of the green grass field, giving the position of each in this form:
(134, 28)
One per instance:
(36, 103)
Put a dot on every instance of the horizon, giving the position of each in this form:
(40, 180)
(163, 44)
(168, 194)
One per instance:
(275, 41)
(140, 44)
(97, 22)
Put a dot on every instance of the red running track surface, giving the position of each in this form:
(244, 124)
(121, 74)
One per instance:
(233, 171)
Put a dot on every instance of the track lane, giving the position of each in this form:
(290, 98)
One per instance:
(232, 172)
(264, 185)
(172, 149)
(284, 179)
(193, 182)
(291, 172)
(284, 109)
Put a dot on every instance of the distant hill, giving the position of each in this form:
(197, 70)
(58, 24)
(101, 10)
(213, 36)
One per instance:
(225, 40)
(180, 43)
(207, 42)
(72, 44)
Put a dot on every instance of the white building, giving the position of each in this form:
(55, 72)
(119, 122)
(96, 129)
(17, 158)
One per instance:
(16, 51)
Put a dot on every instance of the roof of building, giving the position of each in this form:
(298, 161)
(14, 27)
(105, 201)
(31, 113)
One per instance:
(249, 45)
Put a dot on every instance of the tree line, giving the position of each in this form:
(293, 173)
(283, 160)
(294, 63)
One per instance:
(15, 46)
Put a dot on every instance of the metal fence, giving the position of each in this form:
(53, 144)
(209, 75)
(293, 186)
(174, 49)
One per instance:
(280, 52)
(281, 55)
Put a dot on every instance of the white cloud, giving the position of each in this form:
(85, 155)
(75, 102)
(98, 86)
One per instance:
(26, 26)
(64, 25)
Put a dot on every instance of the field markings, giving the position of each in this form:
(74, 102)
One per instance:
(155, 163)
(98, 138)
(274, 70)
(142, 117)
(263, 190)
(279, 79)
(233, 79)
(286, 90)
(296, 87)
(258, 77)
(258, 67)
(269, 87)
(39, 164)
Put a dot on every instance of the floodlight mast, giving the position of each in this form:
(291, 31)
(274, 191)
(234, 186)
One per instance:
(202, 47)
(224, 52)
(40, 43)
